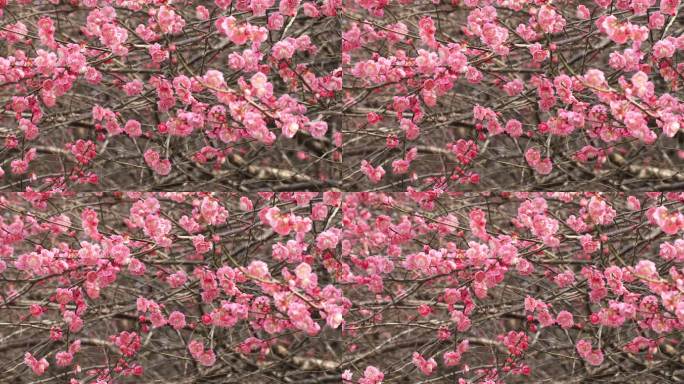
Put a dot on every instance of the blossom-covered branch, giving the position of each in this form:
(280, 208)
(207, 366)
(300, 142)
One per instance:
(359, 288)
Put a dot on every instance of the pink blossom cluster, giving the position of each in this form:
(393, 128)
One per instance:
(363, 287)
(592, 356)
(353, 95)
(125, 93)
(546, 92)
(205, 357)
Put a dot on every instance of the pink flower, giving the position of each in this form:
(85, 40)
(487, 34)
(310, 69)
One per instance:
(38, 366)
(564, 279)
(671, 124)
(177, 279)
(157, 53)
(46, 31)
(133, 88)
(417, 261)
(260, 86)
(669, 7)
(114, 37)
(83, 150)
(594, 357)
(633, 203)
(565, 319)
(595, 78)
(549, 20)
(223, 4)
(493, 35)
(478, 223)
(90, 222)
(195, 347)
(425, 366)
(282, 223)
(583, 12)
(207, 358)
(305, 278)
(371, 375)
(90, 253)
(670, 223)
(19, 166)
(157, 317)
(672, 251)
(288, 7)
(63, 358)
(541, 166)
(283, 49)
(583, 347)
(646, 269)
(259, 270)
(30, 130)
(410, 128)
(201, 12)
(373, 174)
(318, 129)
(545, 318)
(656, 20)
(462, 321)
(75, 347)
(616, 31)
(237, 34)
(427, 31)
(516, 342)
(538, 53)
(327, 239)
(301, 318)
(333, 315)
(169, 21)
(177, 320)
(152, 158)
(663, 49)
(212, 212)
(588, 245)
(120, 254)
(451, 358)
(133, 128)
(128, 342)
(514, 128)
(514, 87)
(319, 212)
(600, 211)
(275, 21)
(259, 7)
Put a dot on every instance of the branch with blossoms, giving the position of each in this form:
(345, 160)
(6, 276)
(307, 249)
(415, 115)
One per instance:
(350, 95)
(533, 95)
(100, 95)
(304, 287)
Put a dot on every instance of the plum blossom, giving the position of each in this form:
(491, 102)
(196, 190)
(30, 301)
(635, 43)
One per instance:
(425, 366)
(37, 366)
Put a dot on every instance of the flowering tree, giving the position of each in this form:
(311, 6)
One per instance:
(106, 95)
(354, 288)
(354, 95)
(514, 93)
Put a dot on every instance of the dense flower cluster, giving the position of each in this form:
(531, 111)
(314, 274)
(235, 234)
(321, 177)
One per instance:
(347, 94)
(575, 93)
(353, 288)
(313, 191)
(157, 94)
